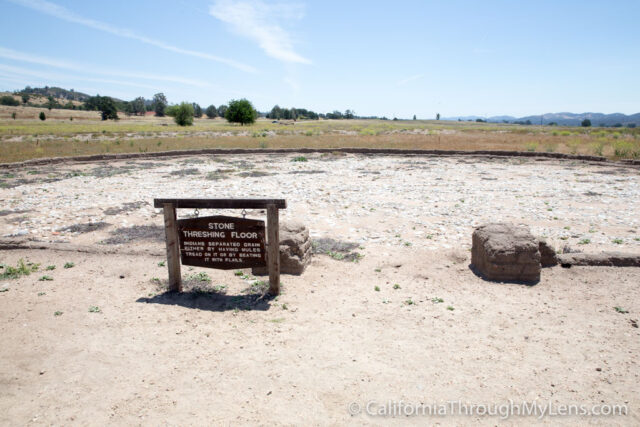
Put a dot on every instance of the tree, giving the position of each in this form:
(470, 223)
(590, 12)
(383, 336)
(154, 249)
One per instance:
(211, 112)
(222, 110)
(104, 104)
(25, 98)
(349, 114)
(240, 111)
(414, 117)
(137, 106)
(184, 114)
(13, 115)
(42, 116)
(586, 123)
(438, 116)
(51, 102)
(275, 113)
(171, 110)
(108, 108)
(128, 110)
(159, 104)
(197, 110)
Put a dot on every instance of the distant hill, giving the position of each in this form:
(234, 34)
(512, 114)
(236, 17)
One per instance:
(562, 119)
(56, 92)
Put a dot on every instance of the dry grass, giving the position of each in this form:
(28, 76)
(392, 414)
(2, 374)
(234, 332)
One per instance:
(27, 139)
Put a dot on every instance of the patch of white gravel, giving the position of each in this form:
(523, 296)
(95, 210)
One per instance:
(426, 202)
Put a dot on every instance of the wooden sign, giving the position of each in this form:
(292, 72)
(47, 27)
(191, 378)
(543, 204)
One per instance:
(195, 243)
(222, 242)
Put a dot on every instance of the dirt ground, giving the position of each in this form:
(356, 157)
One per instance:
(102, 342)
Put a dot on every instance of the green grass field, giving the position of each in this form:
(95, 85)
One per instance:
(23, 139)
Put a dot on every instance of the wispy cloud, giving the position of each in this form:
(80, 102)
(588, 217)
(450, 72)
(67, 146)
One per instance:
(56, 63)
(9, 71)
(70, 16)
(410, 79)
(259, 22)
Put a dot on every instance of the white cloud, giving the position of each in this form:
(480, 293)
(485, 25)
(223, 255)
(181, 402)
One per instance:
(56, 63)
(259, 22)
(410, 79)
(67, 15)
(19, 72)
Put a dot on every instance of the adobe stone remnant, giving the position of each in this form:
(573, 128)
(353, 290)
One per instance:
(295, 249)
(548, 256)
(506, 253)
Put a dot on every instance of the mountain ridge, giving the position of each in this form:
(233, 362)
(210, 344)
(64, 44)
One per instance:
(561, 119)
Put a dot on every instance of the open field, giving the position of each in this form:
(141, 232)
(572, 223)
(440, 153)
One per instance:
(23, 139)
(102, 342)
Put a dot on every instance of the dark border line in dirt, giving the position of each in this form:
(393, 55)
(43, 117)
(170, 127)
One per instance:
(6, 245)
(383, 151)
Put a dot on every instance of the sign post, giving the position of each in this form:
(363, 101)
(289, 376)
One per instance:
(274, 249)
(173, 250)
(219, 241)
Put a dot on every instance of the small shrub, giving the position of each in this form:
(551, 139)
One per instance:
(623, 149)
(22, 269)
(9, 100)
(45, 278)
(299, 159)
(183, 114)
(573, 145)
(598, 148)
(42, 116)
(69, 265)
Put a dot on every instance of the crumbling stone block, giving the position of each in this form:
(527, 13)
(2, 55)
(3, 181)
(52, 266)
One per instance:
(506, 253)
(295, 249)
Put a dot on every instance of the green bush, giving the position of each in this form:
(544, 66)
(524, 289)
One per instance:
(170, 110)
(42, 116)
(184, 114)
(9, 100)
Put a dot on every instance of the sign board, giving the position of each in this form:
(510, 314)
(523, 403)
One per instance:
(222, 242)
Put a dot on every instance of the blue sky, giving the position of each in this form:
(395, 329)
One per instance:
(377, 58)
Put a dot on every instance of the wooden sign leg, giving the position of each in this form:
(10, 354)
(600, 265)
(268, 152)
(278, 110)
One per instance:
(273, 254)
(173, 247)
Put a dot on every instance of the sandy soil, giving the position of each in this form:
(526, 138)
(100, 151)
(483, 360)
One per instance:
(226, 355)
